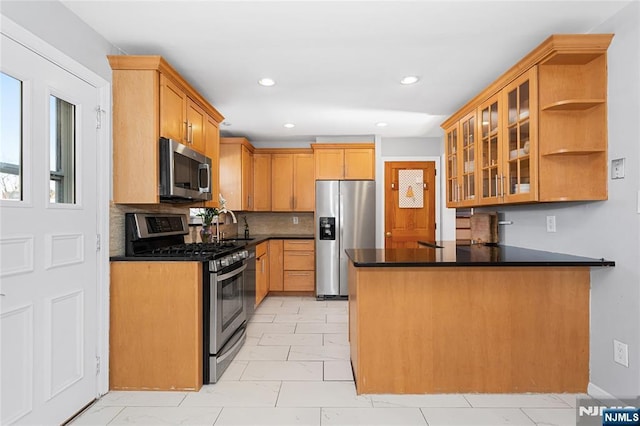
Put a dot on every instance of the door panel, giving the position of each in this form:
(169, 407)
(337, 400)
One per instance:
(404, 227)
(48, 314)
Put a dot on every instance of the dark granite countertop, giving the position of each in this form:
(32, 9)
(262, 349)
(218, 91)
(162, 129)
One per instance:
(240, 240)
(448, 254)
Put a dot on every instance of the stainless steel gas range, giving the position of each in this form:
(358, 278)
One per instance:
(161, 237)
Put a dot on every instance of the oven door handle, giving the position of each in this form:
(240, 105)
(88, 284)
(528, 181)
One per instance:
(230, 348)
(233, 273)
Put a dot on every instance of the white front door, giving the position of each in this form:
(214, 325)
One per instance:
(48, 227)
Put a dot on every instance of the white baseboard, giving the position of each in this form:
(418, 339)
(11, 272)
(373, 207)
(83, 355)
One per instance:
(600, 394)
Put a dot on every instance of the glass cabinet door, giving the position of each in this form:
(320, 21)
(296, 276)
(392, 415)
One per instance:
(452, 165)
(490, 144)
(520, 125)
(468, 158)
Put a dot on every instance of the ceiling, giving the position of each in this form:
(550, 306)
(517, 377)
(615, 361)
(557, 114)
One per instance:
(337, 65)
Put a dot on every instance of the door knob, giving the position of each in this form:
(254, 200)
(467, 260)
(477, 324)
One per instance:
(388, 234)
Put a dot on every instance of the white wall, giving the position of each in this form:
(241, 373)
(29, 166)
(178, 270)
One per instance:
(609, 229)
(58, 26)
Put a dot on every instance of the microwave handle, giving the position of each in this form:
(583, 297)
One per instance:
(207, 188)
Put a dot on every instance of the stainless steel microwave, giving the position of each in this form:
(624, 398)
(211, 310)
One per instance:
(185, 175)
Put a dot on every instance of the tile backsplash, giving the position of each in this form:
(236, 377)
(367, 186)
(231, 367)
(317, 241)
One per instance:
(260, 223)
(265, 223)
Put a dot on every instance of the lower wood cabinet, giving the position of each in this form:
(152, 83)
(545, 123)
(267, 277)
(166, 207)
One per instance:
(292, 265)
(155, 336)
(299, 265)
(262, 271)
(276, 253)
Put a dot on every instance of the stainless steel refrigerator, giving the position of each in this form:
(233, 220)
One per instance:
(345, 218)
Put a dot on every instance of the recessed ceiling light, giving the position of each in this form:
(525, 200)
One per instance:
(382, 124)
(266, 82)
(410, 79)
(289, 125)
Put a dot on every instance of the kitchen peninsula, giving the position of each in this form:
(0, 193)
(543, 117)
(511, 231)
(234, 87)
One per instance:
(449, 319)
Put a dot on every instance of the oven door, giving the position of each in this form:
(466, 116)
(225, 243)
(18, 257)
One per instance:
(226, 307)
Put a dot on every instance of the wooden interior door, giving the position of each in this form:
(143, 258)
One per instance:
(404, 227)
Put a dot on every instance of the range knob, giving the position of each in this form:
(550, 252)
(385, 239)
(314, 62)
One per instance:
(244, 254)
(235, 257)
(224, 261)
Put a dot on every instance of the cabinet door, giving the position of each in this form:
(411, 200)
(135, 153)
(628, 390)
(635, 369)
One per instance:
(281, 182)
(262, 271)
(467, 171)
(329, 163)
(262, 182)
(195, 126)
(520, 122)
(212, 150)
(173, 102)
(359, 163)
(304, 191)
(231, 175)
(276, 259)
(247, 179)
(299, 281)
(490, 152)
(453, 183)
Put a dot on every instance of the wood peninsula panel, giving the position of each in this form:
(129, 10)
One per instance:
(155, 337)
(476, 329)
(276, 259)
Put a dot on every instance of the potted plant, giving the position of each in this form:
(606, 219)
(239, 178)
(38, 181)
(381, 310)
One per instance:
(208, 215)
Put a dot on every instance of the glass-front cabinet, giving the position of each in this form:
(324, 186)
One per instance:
(520, 144)
(490, 151)
(461, 162)
(452, 166)
(468, 157)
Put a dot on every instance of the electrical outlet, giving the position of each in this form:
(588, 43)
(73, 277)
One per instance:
(551, 224)
(621, 353)
(617, 168)
(295, 220)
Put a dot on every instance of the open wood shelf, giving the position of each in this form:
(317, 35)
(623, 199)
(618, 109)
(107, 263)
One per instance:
(572, 151)
(573, 105)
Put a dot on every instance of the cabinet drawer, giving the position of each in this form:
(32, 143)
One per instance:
(299, 261)
(306, 245)
(261, 249)
(299, 281)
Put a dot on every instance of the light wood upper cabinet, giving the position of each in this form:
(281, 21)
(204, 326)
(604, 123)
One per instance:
(150, 100)
(304, 190)
(196, 117)
(261, 182)
(541, 129)
(281, 184)
(344, 161)
(292, 181)
(212, 150)
(173, 107)
(181, 118)
(236, 173)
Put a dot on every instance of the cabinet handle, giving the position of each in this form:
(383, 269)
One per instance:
(298, 274)
(496, 179)
(297, 254)
(190, 133)
(186, 131)
(502, 179)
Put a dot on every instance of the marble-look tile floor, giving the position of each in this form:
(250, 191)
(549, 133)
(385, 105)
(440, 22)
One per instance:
(294, 370)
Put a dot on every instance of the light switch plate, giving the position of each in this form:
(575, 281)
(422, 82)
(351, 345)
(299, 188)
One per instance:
(617, 168)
